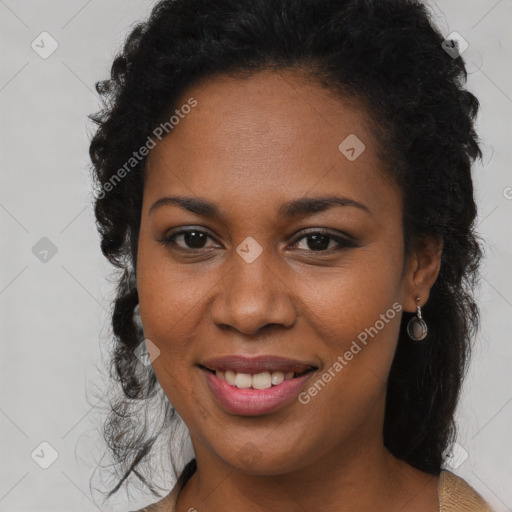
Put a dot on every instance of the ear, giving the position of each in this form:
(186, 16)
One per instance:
(422, 269)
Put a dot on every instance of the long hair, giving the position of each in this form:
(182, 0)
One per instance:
(386, 54)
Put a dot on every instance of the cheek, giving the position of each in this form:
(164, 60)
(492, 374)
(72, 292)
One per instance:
(358, 344)
(356, 313)
(170, 297)
(167, 299)
(345, 302)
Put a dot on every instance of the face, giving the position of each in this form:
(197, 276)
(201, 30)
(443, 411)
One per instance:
(277, 285)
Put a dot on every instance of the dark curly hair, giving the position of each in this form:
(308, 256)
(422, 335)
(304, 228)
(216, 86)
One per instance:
(388, 56)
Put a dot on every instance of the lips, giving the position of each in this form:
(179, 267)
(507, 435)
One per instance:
(256, 385)
(254, 365)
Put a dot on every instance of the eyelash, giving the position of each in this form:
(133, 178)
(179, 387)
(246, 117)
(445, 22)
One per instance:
(343, 242)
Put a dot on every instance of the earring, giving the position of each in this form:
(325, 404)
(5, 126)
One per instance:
(417, 328)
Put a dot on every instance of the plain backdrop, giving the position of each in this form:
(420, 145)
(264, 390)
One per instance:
(55, 290)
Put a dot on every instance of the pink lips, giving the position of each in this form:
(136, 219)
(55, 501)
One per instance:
(257, 364)
(249, 401)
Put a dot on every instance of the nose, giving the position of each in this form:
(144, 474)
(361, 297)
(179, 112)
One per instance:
(253, 296)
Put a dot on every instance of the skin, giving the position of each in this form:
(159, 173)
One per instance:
(249, 146)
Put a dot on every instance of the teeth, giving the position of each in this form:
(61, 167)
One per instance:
(277, 378)
(263, 380)
(229, 377)
(243, 380)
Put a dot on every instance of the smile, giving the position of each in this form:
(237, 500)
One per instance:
(255, 386)
(263, 380)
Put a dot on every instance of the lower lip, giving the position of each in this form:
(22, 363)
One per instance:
(254, 402)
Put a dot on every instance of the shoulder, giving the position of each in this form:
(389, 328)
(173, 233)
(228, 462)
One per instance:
(456, 495)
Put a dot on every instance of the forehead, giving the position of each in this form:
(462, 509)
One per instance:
(275, 135)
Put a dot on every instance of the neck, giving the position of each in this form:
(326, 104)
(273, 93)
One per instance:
(342, 480)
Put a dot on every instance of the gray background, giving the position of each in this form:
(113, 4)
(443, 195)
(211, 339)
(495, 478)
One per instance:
(54, 313)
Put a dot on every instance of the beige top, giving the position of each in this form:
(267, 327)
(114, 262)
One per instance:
(455, 495)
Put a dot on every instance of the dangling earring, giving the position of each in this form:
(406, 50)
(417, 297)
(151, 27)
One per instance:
(417, 328)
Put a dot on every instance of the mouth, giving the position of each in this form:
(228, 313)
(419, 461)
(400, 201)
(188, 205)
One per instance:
(260, 380)
(257, 385)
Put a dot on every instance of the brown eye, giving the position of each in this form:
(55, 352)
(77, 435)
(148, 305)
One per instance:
(318, 241)
(194, 239)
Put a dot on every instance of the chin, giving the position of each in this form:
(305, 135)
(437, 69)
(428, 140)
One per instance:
(265, 460)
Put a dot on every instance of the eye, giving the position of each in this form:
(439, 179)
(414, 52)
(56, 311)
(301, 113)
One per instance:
(319, 241)
(316, 240)
(193, 239)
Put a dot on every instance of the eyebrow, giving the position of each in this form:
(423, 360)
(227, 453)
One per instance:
(294, 208)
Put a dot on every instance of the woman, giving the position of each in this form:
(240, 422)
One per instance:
(286, 187)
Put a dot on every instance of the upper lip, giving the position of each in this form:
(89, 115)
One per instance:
(256, 364)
